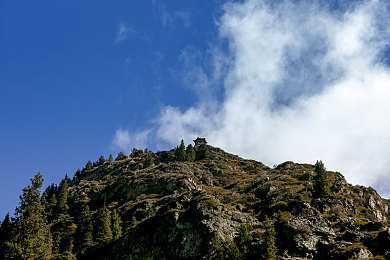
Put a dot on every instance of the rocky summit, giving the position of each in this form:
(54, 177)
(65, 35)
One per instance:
(205, 203)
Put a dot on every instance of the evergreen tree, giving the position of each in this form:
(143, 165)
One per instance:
(244, 240)
(84, 232)
(110, 158)
(180, 152)
(321, 185)
(121, 156)
(101, 159)
(149, 160)
(31, 238)
(88, 166)
(77, 175)
(5, 235)
(269, 247)
(190, 153)
(62, 201)
(202, 152)
(103, 233)
(135, 153)
(63, 228)
(116, 225)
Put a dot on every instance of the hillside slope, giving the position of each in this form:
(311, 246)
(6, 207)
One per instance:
(221, 206)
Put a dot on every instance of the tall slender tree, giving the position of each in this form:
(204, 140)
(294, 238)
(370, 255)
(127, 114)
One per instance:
(116, 222)
(180, 152)
(269, 246)
(190, 153)
(321, 185)
(5, 234)
(31, 238)
(84, 232)
(103, 233)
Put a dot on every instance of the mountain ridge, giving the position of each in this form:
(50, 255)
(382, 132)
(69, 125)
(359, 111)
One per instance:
(216, 205)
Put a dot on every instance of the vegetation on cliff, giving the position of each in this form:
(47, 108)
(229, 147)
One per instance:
(197, 203)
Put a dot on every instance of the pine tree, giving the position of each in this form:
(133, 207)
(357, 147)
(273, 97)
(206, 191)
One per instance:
(149, 160)
(116, 225)
(203, 152)
(269, 250)
(244, 240)
(103, 233)
(62, 201)
(180, 152)
(110, 158)
(84, 232)
(121, 156)
(88, 166)
(101, 159)
(190, 153)
(63, 228)
(31, 238)
(321, 185)
(5, 235)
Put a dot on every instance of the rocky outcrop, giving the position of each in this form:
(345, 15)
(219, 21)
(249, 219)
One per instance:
(193, 210)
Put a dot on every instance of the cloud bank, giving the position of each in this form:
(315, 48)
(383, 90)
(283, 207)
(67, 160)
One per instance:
(302, 81)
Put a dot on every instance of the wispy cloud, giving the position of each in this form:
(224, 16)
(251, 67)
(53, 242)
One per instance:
(125, 141)
(169, 18)
(123, 32)
(302, 82)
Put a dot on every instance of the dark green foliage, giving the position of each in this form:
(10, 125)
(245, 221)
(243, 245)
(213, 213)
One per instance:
(63, 231)
(149, 160)
(321, 185)
(110, 158)
(88, 166)
(77, 175)
(102, 227)
(230, 252)
(62, 201)
(190, 153)
(84, 232)
(180, 152)
(5, 235)
(269, 246)
(244, 240)
(101, 159)
(121, 156)
(116, 225)
(203, 152)
(136, 153)
(31, 238)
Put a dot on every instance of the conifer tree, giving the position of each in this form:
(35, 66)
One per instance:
(101, 159)
(321, 185)
(63, 228)
(190, 153)
(31, 238)
(203, 152)
(149, 160)
(116, 225)
(103, 233)
(5, 235)
(88, 166)
(84, 232)
(180, 152)
(121, 156)
(244, 240)
(269, 249)
(110, 158)
(62, 201)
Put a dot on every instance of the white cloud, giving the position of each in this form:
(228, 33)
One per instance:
(125, 141)
(124, 31)
(304, 82)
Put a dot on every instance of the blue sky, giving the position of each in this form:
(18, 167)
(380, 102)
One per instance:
(297, 80)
